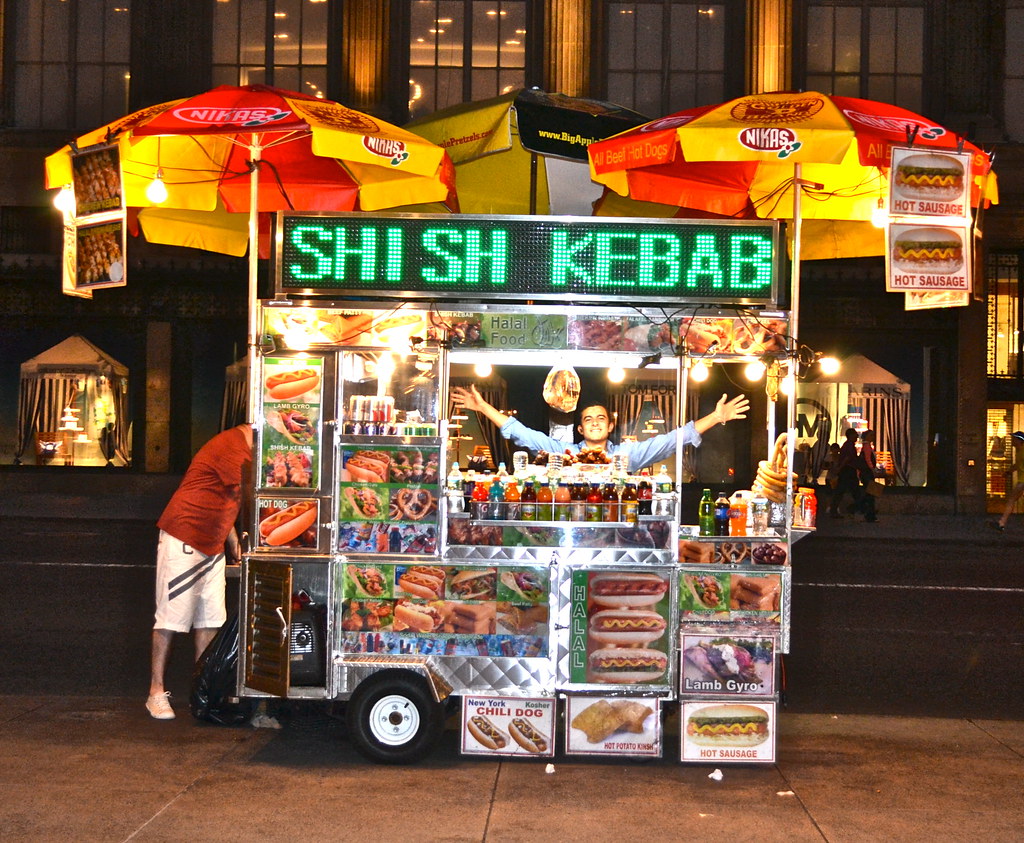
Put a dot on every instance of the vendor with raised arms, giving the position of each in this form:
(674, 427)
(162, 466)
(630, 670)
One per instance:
(596, 426)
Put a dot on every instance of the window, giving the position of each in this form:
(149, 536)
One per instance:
(274, 42)
(1013, 67)
(665, 55)
(861, 48)
(70, 63)
(1004, 315)
(464, 50)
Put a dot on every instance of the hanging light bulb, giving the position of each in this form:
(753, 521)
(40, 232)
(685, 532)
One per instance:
(64, 201)
(786, 384)
(829, 365)
(754, 370)
(879, 214)
(616, 374)
(483, 370)
(699, 371)
(156, 191)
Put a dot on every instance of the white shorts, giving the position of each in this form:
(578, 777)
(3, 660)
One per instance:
(189, 587)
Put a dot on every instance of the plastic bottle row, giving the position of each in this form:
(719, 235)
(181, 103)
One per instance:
(499, 497)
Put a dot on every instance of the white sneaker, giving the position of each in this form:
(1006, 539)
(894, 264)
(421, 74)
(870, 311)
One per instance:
(159, 706)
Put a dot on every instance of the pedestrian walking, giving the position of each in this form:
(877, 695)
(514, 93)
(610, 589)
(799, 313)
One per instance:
(1017, 469)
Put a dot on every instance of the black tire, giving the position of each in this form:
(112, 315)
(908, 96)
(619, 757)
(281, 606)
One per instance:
(393, 718)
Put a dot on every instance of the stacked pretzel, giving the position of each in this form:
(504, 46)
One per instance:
(772, 473)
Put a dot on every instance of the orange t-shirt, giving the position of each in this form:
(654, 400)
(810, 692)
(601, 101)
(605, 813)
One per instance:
(204, 507)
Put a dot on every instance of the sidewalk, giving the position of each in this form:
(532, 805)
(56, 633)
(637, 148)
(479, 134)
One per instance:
(99, 769)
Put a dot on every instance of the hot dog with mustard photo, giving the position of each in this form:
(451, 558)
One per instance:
(288, 379)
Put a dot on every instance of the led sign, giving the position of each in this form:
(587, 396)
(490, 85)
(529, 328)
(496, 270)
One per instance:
(567, 258)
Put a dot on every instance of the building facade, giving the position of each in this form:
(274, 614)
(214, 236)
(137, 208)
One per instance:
(71, 65)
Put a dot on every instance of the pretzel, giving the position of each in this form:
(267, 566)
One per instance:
(415, 503)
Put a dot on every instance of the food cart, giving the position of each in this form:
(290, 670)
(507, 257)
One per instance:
(369, 580)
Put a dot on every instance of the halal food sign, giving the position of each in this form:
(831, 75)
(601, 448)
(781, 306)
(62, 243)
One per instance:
(562, 258)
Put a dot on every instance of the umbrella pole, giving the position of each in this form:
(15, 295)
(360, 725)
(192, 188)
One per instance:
(254, 186)
(794, 349)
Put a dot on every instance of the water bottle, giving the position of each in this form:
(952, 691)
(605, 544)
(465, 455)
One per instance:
(663, 493)
(453, 490)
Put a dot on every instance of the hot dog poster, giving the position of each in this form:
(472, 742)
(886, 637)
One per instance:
(445, 610)
(291, 430)
(928, 257)
(287, 523)
(929, 184)
(714, 594)
(613, 726)
(520, 726)
(722, 664)
(619, 628)
(728, 731)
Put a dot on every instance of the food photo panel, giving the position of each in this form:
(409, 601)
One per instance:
(516, 726)
(619, 628)
(728, 732)
(612, 726)
(287, 523)
(714, 664)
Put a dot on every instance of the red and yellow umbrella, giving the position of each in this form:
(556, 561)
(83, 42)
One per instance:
(218, 149)
(724, 158)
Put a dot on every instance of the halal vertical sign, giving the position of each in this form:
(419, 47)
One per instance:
(536, 257)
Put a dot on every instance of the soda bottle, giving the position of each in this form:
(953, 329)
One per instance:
(722, 515)
(579, 501)
(610, 503)
(630, 504)
(808, 507)
(480, 494)
(563, 502)
(496, 499)
(593, 508)
(706, 514)
(528, 502)
(468, 484)
(738, 515)
(513, 498)
(644, 495)
(544, 502)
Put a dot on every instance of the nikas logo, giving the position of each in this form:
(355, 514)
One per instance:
(387, 148)
(770, 139)
(247, 118)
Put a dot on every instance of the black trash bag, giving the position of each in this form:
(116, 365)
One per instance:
(213, 680)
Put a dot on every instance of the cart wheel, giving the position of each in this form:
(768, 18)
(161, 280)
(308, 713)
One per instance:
(393, 718)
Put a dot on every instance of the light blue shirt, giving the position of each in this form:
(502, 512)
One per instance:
(641, 454)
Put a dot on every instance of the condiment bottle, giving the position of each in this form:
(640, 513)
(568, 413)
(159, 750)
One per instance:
(593, 509)
(563, 502)
(528, 502)
(706, 514)
(722, 515)
(609, 503)
(578, 494)
(629, 506)
(513, 498)
(644, 495)
(544, 502)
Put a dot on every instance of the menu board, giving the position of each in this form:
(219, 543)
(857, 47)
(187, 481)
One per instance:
(613, 726)
(445, 610)
(291, 438)
(618, 628)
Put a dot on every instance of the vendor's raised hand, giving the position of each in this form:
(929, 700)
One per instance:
(467, 398)
(735, 409)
